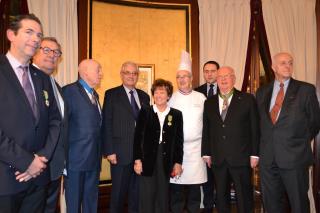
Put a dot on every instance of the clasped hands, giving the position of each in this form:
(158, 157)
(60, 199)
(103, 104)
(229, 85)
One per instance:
(36, 167)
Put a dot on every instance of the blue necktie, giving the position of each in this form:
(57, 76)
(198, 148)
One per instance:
(134, 105)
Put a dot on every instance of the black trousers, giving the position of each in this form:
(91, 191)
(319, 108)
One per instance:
(185, 196)
(53, 193)
(124, 182)
(208, 191)
(241, 176)
(275, 182)
(31, 200)
(154, 190)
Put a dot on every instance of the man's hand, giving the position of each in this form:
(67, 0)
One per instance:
(22, 176)
(37, 166)
(112, 158)
(208, 161)
(254, 162)
(138, 166)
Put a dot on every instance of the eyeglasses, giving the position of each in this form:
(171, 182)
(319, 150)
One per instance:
(127, 73)
(47, 50)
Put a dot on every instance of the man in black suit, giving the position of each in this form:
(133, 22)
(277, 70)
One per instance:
(46, 59)
(84, 139)
(210, 71)
(289, 120)
(120, 111)
(210, 88)
(230, 141)
(30, 121)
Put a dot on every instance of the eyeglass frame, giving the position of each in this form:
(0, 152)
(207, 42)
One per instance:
(47, 50)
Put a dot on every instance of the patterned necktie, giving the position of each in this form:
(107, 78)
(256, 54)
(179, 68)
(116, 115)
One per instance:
(93, 97)
(277, 105)
(26, 84)
(225, 106)
(134, 105)
(210, 92)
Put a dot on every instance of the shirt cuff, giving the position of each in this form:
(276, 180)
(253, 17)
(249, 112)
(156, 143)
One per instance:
(256, 157)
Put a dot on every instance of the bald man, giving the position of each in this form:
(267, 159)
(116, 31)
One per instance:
(289, 120)
(230, 141)
(84, 158)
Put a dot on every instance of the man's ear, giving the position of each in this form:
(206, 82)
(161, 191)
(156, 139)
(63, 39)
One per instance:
(10, 35)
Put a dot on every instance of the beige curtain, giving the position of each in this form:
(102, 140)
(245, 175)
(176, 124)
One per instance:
(291, 27)
(224, 31)
(59, 19)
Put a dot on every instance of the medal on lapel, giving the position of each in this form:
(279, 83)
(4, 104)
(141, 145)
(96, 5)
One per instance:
(169, 120)
(46, 98)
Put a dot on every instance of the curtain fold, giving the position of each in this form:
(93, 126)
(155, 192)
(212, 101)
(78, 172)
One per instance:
(291, 27)
(224, 30)
(59, 19)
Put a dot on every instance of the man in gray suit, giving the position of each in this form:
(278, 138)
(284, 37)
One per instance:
(289, 120)
(120, 111)
(46, 59)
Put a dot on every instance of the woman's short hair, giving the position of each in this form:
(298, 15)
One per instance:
(159, 83)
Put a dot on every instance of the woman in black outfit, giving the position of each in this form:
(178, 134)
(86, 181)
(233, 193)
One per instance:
(158, 149)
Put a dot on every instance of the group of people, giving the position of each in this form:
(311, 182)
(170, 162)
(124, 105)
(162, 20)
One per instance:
(160, 155)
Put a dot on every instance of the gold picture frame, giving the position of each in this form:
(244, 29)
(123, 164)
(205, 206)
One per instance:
(146, 77)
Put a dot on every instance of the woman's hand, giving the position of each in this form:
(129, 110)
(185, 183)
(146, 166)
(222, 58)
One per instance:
(137, 167)
(177, 170)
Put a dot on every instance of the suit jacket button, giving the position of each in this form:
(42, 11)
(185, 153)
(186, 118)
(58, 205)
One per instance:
(163, 132)
(224, 137)
(164, 153)
(223, 125)
(163, 142)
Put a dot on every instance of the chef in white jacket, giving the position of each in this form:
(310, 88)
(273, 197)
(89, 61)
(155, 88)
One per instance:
(186, 188)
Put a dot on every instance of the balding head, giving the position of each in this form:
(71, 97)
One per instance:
(90, 71)
(282, 65)
(226, 79)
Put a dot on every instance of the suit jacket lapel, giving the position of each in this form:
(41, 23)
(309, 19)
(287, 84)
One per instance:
(289, 96)
(216, 106)
(14, 81)
(267, 100)
(84, 93)
(233, 104)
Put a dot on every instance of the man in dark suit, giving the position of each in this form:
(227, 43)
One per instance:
(230, 141)
(30, 121)
(289, 120)
(84, 139)
(46, 59)
(210, 88)
(120, 111)
(210, 71)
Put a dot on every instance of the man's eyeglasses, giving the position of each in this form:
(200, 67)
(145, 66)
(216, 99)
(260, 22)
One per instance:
(127, 73)
(47, 50)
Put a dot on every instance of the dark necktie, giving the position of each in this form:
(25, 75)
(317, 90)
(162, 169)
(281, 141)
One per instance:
(210, 92)
(134, 105)
(277, 105)
(26, 84)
